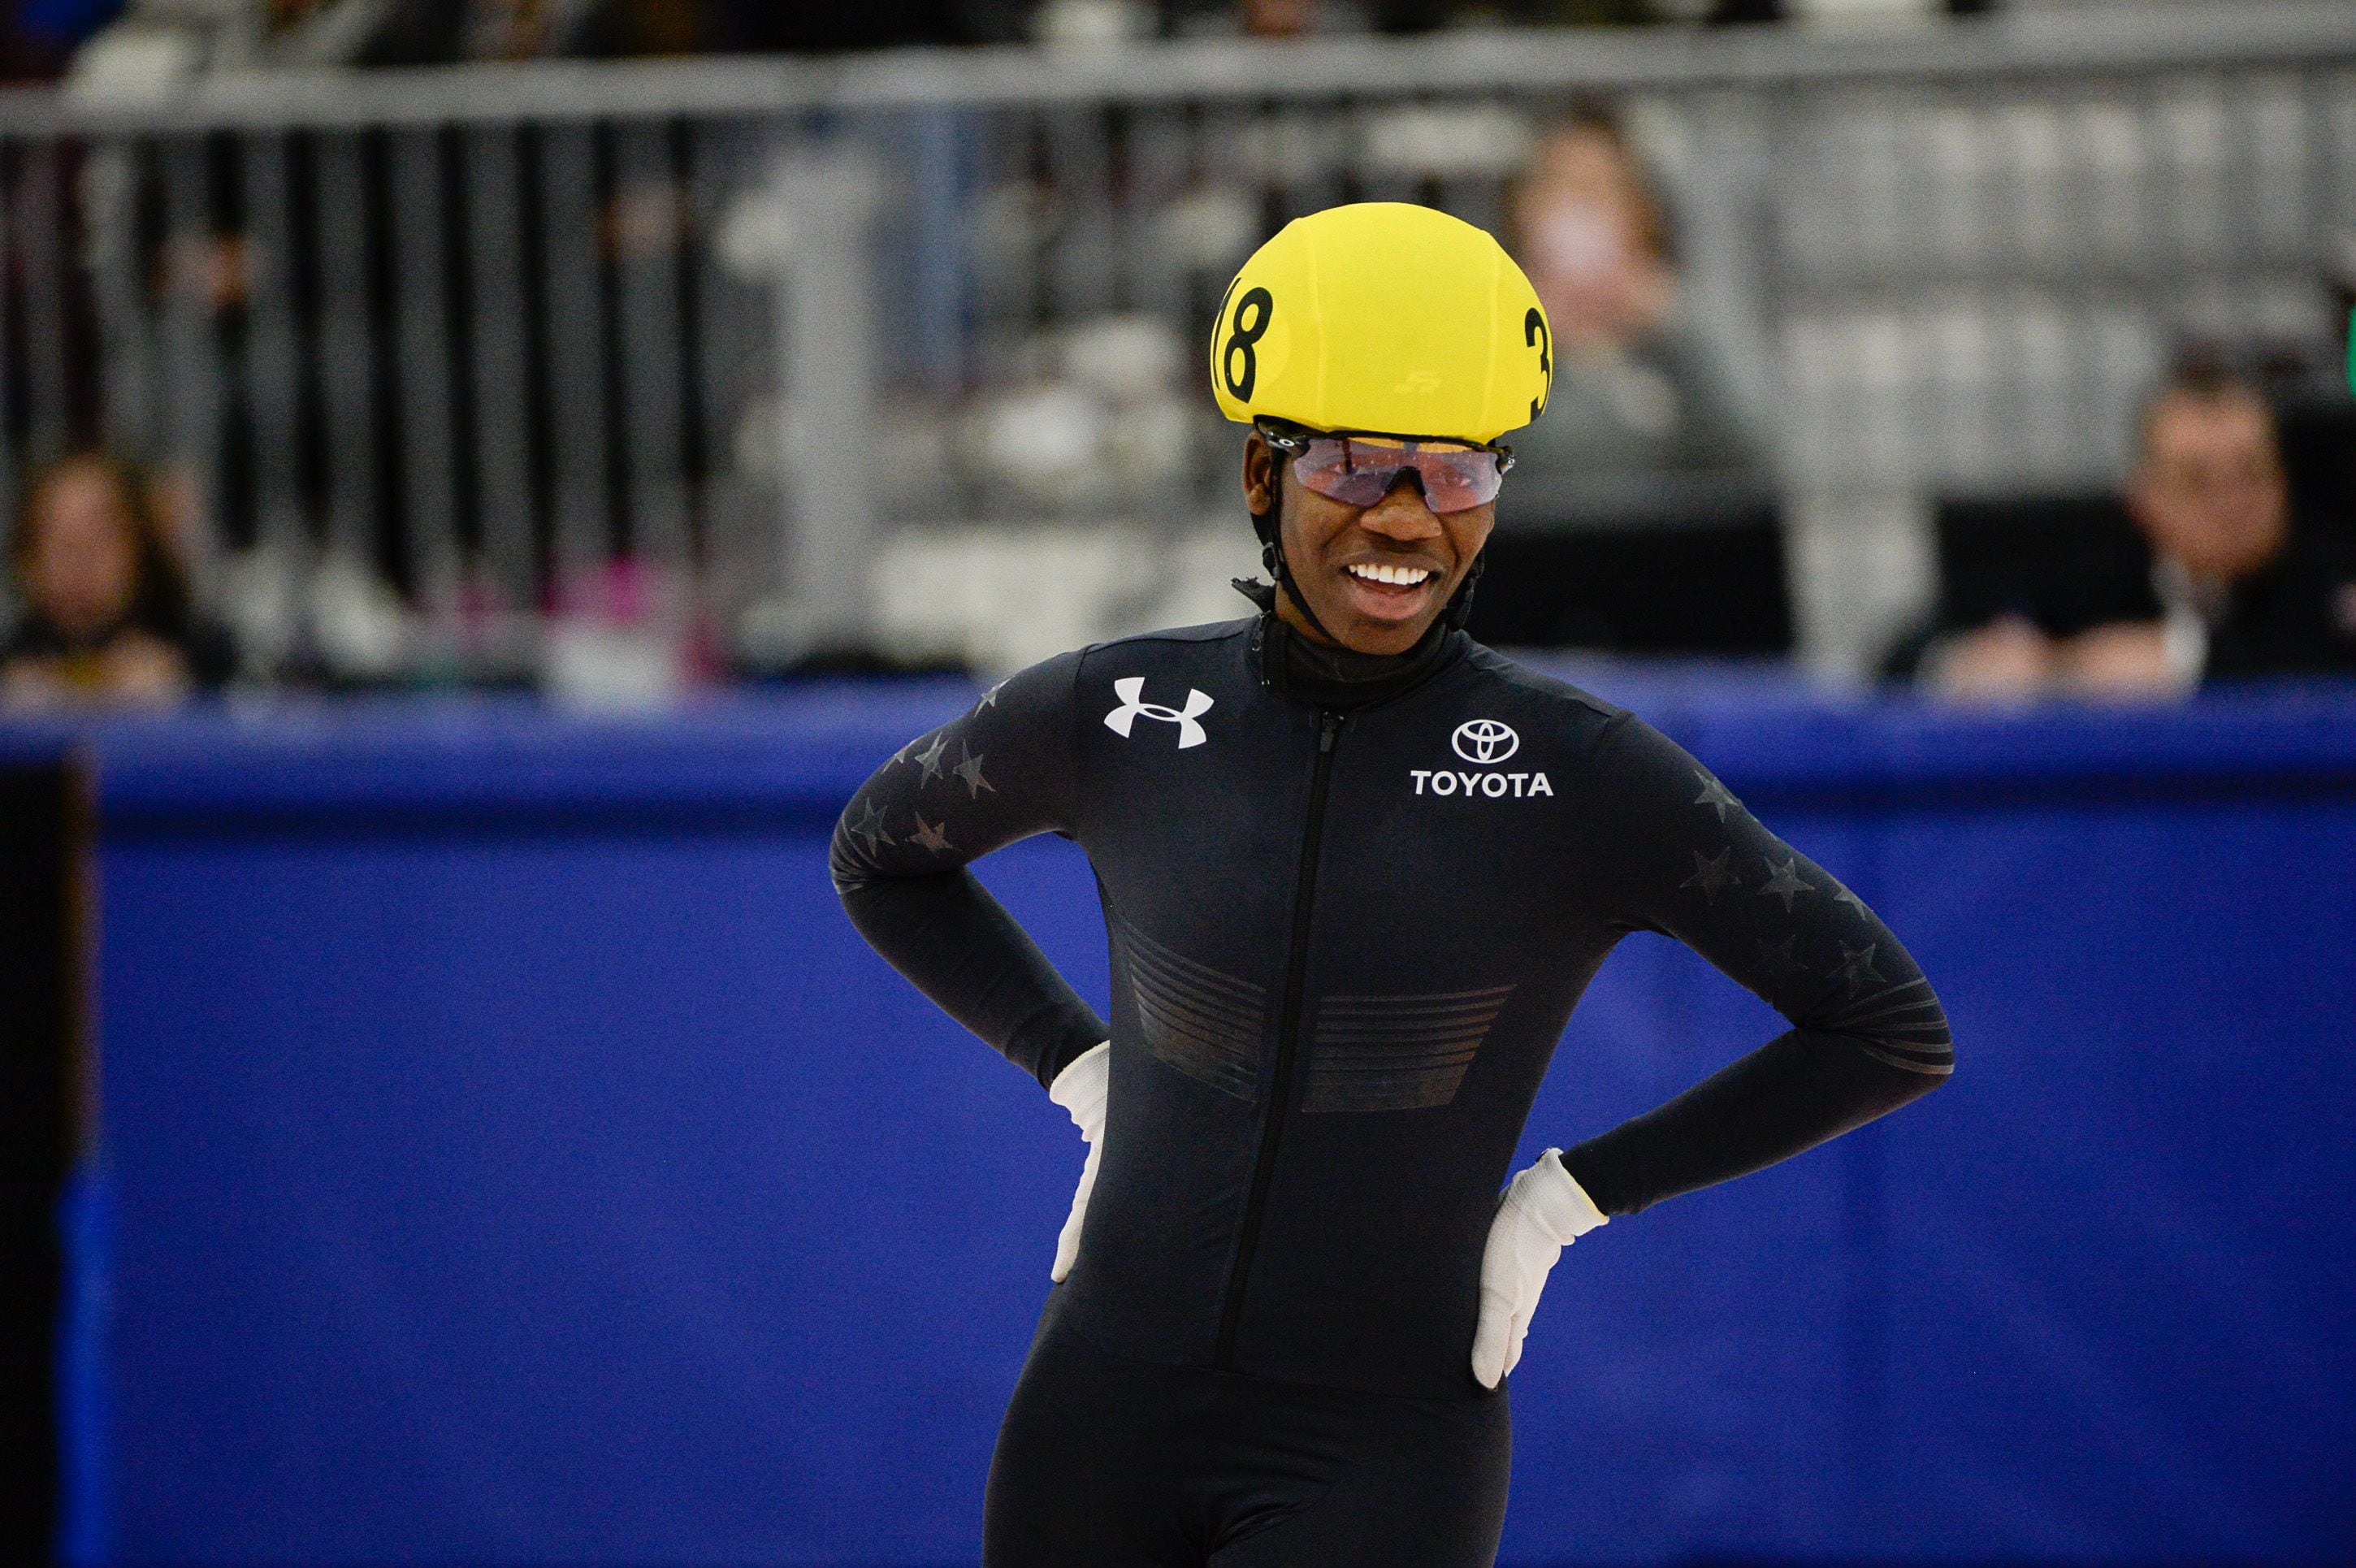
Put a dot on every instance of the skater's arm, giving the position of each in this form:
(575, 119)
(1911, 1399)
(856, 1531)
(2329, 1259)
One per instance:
(1003, 772)
(1866, 1036)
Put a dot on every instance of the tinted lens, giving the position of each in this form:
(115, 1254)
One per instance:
(1359, 470)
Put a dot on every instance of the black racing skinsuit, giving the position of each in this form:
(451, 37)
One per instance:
(1348, 919)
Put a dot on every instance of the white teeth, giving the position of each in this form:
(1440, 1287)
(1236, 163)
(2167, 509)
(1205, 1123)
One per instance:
(1399, 576)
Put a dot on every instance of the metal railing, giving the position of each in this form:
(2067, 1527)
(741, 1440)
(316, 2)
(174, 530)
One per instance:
(702, 343)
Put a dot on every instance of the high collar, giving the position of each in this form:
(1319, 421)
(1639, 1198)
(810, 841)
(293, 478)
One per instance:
(1342, 679)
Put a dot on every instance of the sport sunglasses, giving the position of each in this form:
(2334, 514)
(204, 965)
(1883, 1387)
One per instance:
(1359, 467)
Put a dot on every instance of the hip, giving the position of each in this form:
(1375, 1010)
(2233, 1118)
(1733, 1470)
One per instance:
(1105, 1459)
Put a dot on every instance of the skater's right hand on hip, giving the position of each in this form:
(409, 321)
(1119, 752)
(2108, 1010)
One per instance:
(1080, 1088)
(1544, 1209)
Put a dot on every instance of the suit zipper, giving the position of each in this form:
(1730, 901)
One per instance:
(1304, 899)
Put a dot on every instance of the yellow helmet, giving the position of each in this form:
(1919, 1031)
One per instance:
(1383, 317)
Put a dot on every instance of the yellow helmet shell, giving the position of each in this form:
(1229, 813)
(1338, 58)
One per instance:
(1383, 317)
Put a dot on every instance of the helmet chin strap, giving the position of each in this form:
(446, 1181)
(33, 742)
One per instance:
(1271, 558)
(1460, 608)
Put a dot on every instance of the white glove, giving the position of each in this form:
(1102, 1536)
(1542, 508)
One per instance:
(1544, 1210)
(1080, 1088)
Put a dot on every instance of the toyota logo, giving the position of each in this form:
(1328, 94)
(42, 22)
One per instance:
(1485, 741)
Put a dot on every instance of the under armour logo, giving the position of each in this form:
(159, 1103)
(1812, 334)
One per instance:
(1130, 690)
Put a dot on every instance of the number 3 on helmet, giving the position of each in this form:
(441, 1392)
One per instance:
(1383, 317)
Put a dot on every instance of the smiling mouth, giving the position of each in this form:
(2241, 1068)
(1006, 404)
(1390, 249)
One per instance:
(1382, 577)
(1390, 592)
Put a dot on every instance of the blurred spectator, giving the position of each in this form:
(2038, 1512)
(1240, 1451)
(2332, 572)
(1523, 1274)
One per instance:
(2240, 586)
(1642, 414)
(1277, 18)
(105, 613)
(2246, 590)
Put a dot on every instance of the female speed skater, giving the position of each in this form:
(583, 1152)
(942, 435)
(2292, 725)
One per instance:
(1356, 871)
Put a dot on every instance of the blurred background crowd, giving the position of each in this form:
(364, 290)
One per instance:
(487, 1096)
(1998, 352)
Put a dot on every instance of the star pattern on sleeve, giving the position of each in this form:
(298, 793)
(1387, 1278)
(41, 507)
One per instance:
(1852, 900)
(1715, 795)
(1784, 882)
(1856, 966)
(1712, 875)
(989, 698)
(870, 826)
(969, 769)
(1779, 957)
(934, 836)
(929, 759)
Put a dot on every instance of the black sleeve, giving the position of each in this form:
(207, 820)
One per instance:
(1003, 772)
(1687, 860)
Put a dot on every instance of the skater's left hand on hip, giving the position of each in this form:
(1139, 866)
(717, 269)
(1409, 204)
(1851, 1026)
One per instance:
(1543, 1211)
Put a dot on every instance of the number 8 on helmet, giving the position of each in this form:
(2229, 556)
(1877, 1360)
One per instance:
(1387, 318)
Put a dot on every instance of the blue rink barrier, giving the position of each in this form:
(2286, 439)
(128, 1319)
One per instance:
(511, 1155)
